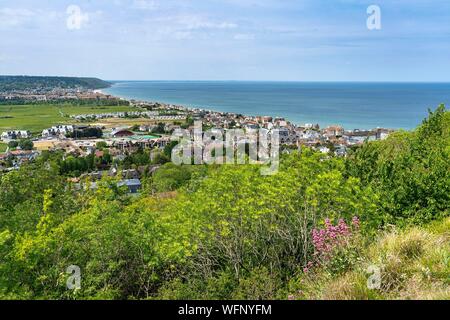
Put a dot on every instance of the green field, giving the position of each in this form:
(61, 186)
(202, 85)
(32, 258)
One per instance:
(3, 147)
(38, 117)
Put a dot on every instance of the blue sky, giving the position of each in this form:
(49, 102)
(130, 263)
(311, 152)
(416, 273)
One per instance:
(304, 40)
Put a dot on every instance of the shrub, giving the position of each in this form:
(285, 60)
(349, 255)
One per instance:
(410, 171)
(26, 144)
(334, 246)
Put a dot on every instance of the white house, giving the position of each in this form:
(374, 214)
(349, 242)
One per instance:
(55, 131)
(15, 134)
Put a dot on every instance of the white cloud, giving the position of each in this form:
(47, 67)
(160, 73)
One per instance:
(183, 26)
(10, 17)
(195, 22)
(182, 35)
(145, 4)
(244, 36)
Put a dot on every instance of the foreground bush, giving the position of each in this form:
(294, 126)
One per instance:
(410, 170)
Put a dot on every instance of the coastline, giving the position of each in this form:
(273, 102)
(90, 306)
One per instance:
(191, 108)
(390, 106)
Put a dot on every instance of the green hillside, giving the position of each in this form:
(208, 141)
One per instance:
(319, 229)
(9, 83)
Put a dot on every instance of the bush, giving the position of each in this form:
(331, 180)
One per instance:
(26, 144)
(13, 144)
(170, 177)
(101, 145)
(410, 171)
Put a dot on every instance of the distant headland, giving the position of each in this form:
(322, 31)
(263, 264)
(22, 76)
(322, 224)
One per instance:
(18, 82)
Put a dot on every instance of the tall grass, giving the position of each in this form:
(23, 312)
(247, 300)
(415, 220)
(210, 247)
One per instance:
(413, 263)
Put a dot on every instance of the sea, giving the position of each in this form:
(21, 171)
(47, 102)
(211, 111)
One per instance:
(353, 105)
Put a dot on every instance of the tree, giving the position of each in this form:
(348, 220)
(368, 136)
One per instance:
(101, 145)
(160, 158)
(170, 177)
(159, 129)
(26, 144)
(13, 144)
(169, 147)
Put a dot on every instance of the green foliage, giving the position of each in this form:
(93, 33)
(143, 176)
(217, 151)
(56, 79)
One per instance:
(159, 129)
(13, 144)
(89, 132)
(139, 158)
(75, 166)
(101, 145)
(11, 83)
(410, 170)
(160, 158)
(26, 144)
(169, 147)
(170, 177)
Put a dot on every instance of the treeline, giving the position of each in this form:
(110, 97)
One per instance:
(23, 144)
(89, 132)
(11, 83)
(73, 166)
(226, 232)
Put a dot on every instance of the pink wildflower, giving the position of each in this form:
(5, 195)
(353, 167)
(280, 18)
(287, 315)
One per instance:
(326, 240)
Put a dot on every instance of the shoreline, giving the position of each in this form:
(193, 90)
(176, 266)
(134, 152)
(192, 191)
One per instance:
(204, 109)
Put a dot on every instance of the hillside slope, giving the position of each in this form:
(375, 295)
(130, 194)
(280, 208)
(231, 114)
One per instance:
(9, 83)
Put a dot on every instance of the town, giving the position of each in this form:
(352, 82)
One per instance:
(147, 131)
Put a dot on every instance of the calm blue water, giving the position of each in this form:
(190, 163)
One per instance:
(353, 105)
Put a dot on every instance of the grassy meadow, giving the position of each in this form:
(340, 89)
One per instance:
(38, 117)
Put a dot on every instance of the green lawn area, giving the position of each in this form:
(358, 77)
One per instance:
(38, 117)
(3, 147)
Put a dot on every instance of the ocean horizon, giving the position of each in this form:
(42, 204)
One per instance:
(354, 105)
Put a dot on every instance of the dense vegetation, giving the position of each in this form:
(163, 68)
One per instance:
(11, 83)
(226, 232)
(88, 132)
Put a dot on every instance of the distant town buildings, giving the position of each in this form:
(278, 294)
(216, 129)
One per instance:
(57, 131)
(151, 115)
(120, 133)
(49, 94)
(15, 135)
(133, 185)
(81, 140)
